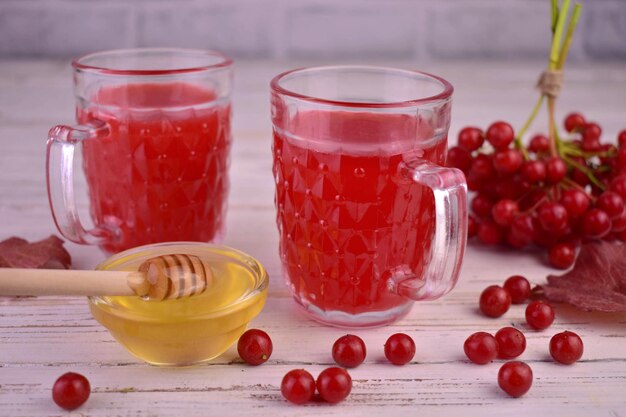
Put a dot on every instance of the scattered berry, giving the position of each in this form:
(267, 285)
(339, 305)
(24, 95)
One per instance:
(494, 301)
(71, 390)
(399, 349)
(511, 343)
(566, 347)
(515, 378)
(481, 348)
(539, 315)
(298, 386)
(334, 384)
(255, 346)
(349, 351)
(518, 288)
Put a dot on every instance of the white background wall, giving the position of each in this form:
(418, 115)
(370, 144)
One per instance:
(318, 29)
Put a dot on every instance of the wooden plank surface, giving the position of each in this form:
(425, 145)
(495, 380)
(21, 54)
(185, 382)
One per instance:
(41, 338)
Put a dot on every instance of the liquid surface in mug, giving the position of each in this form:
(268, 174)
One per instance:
(346, 216)
(161, 172)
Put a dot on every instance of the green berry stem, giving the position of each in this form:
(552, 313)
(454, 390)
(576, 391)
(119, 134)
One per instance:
(585, 170)
(571, 27)
(522, 132)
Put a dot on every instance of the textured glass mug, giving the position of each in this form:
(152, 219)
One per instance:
(154, 130)
(369, 218)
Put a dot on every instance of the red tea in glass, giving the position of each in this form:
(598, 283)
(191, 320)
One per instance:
(368, 218)
(155, 135)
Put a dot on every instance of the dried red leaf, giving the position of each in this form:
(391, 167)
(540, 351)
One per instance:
(596, 283)
(16, 252)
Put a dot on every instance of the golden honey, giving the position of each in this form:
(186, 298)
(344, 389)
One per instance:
(188, 330)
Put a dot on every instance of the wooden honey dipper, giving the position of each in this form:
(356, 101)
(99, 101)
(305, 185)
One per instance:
(160, 278)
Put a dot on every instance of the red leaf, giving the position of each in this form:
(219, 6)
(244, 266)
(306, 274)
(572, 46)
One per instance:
(16, 252)
(596, 283)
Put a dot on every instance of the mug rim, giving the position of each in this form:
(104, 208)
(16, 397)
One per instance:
(224, 62)
(446, 93)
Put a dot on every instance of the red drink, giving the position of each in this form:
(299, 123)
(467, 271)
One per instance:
(346, 217)
(161, 172)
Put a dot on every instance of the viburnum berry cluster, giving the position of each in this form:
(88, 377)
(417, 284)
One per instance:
(557, 191)
(527, 196)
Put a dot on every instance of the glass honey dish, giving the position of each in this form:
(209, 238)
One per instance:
(190, 330)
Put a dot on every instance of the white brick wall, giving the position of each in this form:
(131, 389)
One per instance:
(402, 29)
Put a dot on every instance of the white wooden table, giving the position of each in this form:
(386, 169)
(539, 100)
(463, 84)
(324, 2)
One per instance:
(42, 338)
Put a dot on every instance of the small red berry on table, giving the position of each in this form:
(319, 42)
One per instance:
(518, 288)
(298, 386)
(334, 384)
(511, 343)
(71, 390)
(481, 348)
(515, 378)
(494, 301)
(539, 315)
(255, 347)
(349, 351)
(566, 347)
(400, 349)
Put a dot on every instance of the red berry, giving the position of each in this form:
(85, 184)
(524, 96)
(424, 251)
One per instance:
(349, 351)
(471, 138)
(566, 347)
(533, 171)
(574, 122)
(595, 224)
(611, 203)
(539, 315)
(539, 143)
(618, 185)
(592, 132)
(500, 135)
(511, 343)
(399, 349)
(489, 233)
(552, 216)
(515, 378)
(575, 202)
(494, 301)
(555, 170)
(619, 223)
(621, 138)
(507, 161)
(254, 346)
(521, 232)
(298, 386)
(472, 226)
(481, 205)
(481, 348)
(482, 167)
(459, 158)
(71, 390)
(621, 156)
(562, 255)
(504, 211)
(334, 384)
(518, 288)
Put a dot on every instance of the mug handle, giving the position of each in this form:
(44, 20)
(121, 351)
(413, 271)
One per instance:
(61, 145)
(450, 236)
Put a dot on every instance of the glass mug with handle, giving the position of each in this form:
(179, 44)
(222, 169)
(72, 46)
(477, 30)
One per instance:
(369, 218)
(154, 131)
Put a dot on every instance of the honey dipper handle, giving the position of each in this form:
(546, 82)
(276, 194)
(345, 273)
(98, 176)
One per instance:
(15, 281)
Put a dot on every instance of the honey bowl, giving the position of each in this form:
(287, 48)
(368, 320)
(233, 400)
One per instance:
(191, 330)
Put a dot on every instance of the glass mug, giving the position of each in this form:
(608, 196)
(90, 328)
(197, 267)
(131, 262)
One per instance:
(369, 218)
(154, 131)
